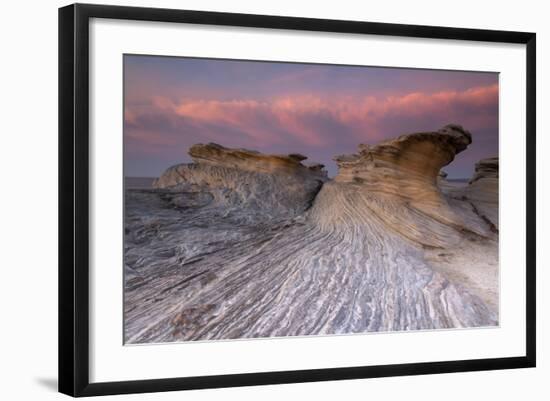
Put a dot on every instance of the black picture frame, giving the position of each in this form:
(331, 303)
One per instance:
(74, 201)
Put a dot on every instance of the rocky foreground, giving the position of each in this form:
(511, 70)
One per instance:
(240, 244)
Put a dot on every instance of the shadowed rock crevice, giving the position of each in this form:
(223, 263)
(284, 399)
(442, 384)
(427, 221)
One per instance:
(239, 244)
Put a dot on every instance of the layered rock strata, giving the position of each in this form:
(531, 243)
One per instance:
(239, 244)
(248, 185)
(396, 181)
(482, 191)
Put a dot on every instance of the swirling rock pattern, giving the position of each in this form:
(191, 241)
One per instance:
(241, 245)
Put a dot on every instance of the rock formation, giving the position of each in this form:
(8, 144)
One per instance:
(486, 169)
(239, 244)
(418, 156)
(397, 181)
(481, 192)
(248, 185)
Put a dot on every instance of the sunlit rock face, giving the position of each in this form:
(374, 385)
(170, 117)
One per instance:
(406, 167)
(239, 244)
(396, 180)
(418, 156)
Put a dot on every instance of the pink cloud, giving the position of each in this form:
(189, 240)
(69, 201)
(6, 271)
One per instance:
(316, 120)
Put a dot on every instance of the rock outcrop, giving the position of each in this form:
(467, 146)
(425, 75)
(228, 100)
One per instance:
(486, 169)
(418, 156)
(397, 180)
(249, 185)
(239, 244)
(216, 155)
(482, 191)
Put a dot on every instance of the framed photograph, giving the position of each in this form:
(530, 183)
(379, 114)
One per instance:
(251, 199)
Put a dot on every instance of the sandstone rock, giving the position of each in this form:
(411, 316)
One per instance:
(239, 244)
(418, 156)
(397, 180)
(485, 168)
(248, 160)
(482, 191)
(249, 185)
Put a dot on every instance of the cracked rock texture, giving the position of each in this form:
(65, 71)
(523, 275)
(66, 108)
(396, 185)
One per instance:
(239, 244)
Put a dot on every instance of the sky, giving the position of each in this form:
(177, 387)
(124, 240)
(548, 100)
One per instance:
(172, 103)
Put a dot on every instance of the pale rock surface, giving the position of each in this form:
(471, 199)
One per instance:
(482, 191)
(381, 247)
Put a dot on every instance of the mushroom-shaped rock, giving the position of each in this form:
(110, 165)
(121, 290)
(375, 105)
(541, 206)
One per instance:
(396, 181)
(418, 156)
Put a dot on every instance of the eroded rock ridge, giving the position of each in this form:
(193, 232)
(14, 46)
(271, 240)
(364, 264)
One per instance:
(249, 185)
(239, 244)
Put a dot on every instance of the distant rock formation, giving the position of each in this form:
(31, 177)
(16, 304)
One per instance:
(240, 244)
(250, 185)
(486, 169)
(482, 191)
(216, 155)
